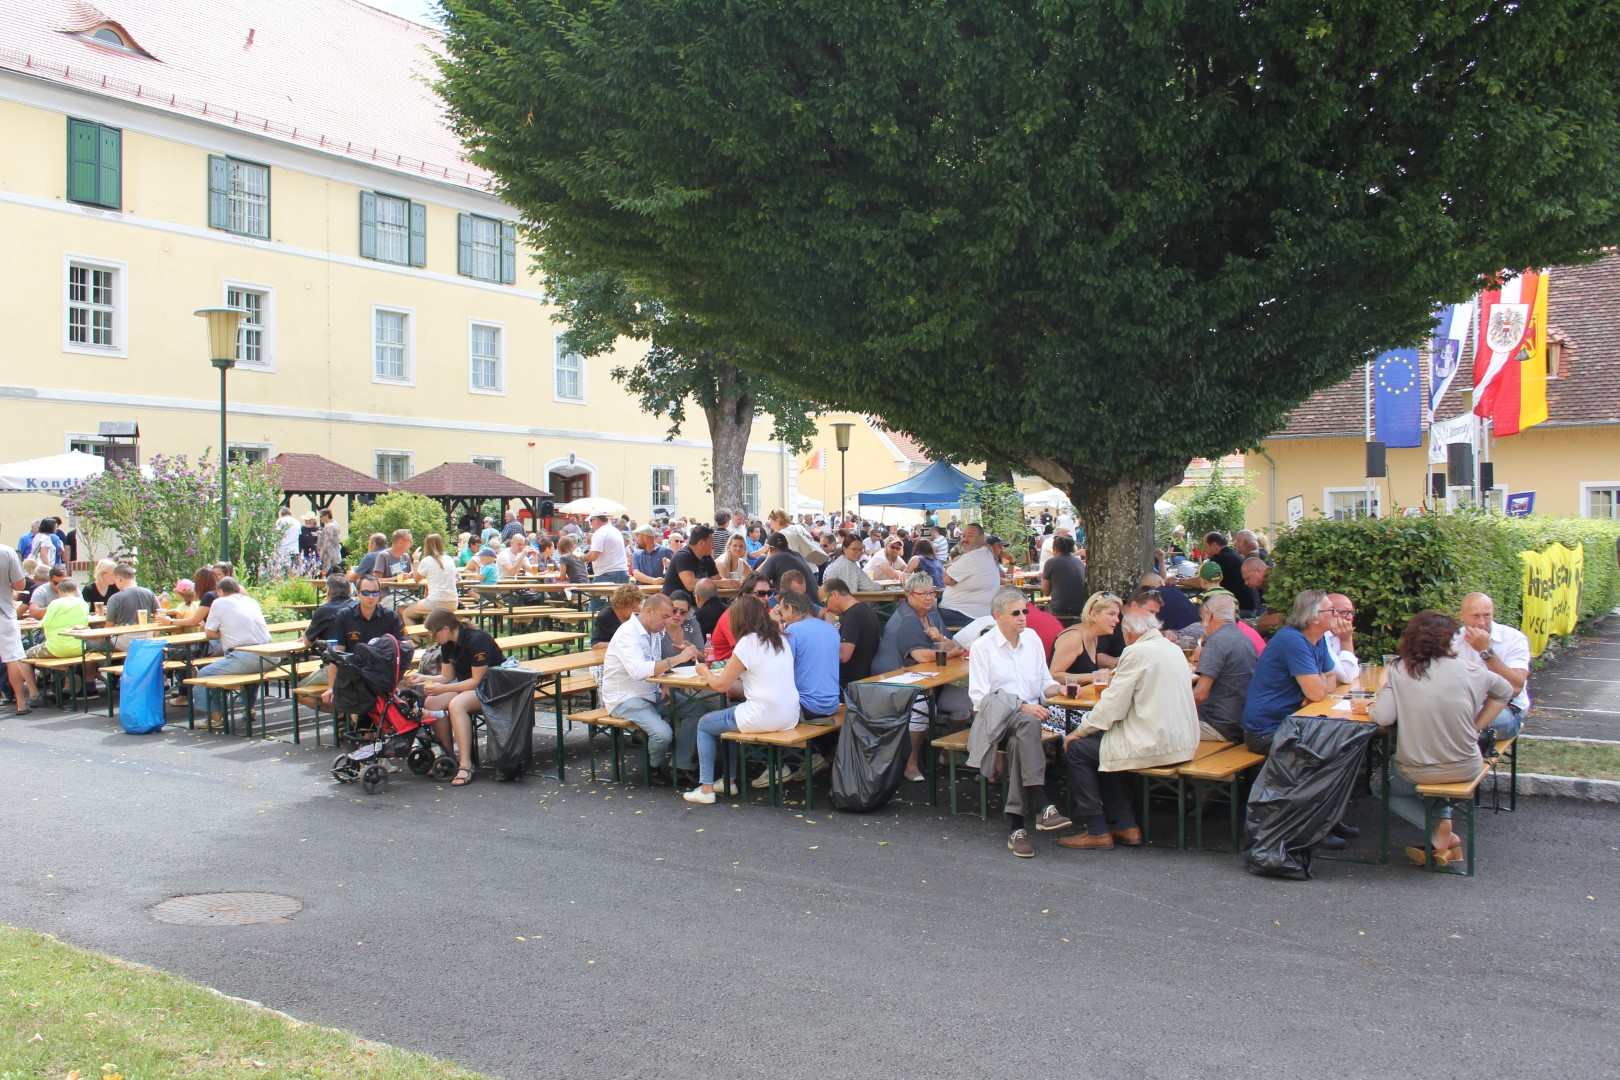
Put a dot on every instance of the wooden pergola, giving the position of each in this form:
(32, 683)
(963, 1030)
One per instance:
(462, 488)
(322, 480)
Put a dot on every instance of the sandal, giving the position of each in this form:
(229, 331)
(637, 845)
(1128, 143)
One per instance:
(458, 781)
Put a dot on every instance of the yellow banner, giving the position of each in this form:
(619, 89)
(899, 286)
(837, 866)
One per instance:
(1552, 592)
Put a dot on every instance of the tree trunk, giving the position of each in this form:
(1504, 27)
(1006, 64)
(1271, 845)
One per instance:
(731, 421)
(1118, 518)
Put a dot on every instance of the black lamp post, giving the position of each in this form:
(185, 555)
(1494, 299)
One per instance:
(222, 327)
(841, 433)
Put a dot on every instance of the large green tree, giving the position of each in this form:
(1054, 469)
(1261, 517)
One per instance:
(1090, 239)
(684, 364)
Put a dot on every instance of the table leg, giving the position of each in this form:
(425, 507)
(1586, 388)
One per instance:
(557, 704)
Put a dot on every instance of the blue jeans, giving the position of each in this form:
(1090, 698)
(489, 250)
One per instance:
(233, 663)
(612, 577)
(1507, 724)
(1405, 801)
(710, 728)
(645, 714)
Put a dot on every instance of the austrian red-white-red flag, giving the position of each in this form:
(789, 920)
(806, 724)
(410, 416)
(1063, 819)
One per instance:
(1505, 322)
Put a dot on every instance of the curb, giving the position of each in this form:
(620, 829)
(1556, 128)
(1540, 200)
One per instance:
(1570, 787)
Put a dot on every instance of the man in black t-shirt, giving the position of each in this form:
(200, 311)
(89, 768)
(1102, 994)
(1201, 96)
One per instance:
(1231, 564)
(367, 619)
(709, 609)
(693, 563)
(323, 623)
(782, 560)
(858, 633)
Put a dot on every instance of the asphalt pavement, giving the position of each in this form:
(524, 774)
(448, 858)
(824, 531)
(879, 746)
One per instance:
(1577, 692)
(588, 930)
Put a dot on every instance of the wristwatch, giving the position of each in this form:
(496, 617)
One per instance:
(1487, 654)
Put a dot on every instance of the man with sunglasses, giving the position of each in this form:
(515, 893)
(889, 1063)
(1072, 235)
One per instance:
(1007, 681)
(363, 621)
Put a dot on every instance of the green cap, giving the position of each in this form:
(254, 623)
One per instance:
(1210, 570)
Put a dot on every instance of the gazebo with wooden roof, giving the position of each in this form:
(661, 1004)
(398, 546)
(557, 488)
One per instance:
(462, 488)
(322, 480)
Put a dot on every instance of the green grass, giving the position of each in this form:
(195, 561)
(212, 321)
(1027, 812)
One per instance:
(1570, 757)
(96, 1017)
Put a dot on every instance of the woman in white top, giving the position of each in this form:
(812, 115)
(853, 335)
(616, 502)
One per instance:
(763, 662)
(733, 562)
(888, 564)
(439, 571)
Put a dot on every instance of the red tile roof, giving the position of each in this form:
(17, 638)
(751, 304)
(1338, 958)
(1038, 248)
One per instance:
(909, 448)
(331, 74)
(311, 474)
(464, 480)
(1583, 314)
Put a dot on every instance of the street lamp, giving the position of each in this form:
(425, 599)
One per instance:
(222, 326)
(841, 433)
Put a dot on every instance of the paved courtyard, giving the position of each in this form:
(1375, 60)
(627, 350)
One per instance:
(593, 931)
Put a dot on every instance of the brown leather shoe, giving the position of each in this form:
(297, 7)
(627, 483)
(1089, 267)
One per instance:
(1126, 837)
(1086, 841)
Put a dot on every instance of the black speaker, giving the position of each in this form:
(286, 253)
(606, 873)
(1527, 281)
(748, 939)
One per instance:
(1459, 464)
(1437, 484)
(1487, 475)
(1375, 460)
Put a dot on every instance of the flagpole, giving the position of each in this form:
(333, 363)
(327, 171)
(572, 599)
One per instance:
(1367, 481)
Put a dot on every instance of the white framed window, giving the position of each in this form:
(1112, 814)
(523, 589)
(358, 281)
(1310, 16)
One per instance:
(570, 374)
(484, 248)
(1601, 499)
(1342, 504)
(496, 465)
(255, 335)
(393, 466)
(1494, 499)
(87, 444)
(393, 230)
(392, 347)
(751, 494)
(663, 491)
(95, 306)
(239, 197)
(251, 453)
(486, 358)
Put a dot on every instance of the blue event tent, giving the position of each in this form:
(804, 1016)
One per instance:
(940, 485)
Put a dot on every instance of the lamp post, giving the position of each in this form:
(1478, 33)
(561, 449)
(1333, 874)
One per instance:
(222, 325)
(841, 434)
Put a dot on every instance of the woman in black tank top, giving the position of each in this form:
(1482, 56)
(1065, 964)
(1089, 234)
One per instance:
(1075, 651)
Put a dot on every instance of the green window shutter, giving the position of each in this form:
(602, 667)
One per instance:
(418, 234)
(110, 189)
(82, 161)
(464, 259)
(219, 192)
(508, 252)
(368, 225)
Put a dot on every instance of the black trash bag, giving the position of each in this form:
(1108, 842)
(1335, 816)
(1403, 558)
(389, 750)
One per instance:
(507, 695)
(872, 746)
(1301, 792)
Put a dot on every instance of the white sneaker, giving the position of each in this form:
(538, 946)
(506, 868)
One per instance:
(698, 795)
(720, 788)
(762, 781)
(821, 764)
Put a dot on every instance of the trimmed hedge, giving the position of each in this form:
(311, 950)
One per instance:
(1395, 567)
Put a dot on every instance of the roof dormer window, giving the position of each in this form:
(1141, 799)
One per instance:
(111, 35)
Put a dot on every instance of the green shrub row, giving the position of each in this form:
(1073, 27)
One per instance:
(1394, 567)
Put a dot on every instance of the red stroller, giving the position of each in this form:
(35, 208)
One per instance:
(391, 719)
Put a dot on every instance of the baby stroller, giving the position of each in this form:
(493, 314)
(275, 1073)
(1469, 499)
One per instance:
(391, 719)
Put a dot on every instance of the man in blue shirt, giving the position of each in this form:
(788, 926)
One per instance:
(1294, 669)
(650, 561)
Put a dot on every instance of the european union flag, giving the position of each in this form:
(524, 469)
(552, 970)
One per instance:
(1398, 398)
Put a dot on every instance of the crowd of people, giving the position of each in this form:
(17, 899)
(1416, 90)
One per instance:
(1206, 658)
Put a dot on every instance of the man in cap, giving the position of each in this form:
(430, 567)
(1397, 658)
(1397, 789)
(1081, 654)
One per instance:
(650, 561)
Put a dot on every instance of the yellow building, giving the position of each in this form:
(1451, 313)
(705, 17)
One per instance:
(289, 159)
(1571, 462)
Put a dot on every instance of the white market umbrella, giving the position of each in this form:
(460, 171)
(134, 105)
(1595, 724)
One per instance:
(1163, 506)
(1053, 497)
(591, 505)
(60, 472)
(804, 504)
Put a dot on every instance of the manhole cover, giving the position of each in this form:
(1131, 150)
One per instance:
(226, 909)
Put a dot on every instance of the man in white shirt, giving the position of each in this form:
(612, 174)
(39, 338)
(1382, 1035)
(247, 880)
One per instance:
(516, 558)
(235, 619)
(606, 555)
(970, 581)
(1010, 662)
(1498, 648)
(1341, 640)
(288, 526)
(1064, 527)
(635, 655)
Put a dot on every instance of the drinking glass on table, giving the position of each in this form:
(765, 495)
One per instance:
(1370, 674)
(1102, 677)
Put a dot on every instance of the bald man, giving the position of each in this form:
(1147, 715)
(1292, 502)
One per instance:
(1498, 648)
(1341, 640)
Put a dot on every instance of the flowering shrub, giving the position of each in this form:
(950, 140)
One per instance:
(167, 518)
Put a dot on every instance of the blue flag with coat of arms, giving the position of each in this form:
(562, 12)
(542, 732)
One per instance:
(1398, 398)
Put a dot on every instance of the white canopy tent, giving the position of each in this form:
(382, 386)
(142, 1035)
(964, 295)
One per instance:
(804, 504)
(1052, 497)
(58, 473)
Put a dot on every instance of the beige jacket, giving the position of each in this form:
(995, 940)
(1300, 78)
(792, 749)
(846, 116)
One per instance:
(1146, 714)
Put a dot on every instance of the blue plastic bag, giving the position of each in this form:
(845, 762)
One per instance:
(140, 691)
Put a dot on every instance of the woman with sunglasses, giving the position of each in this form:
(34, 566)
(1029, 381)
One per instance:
(683, 629)
(763, 664)
(1075, 655)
